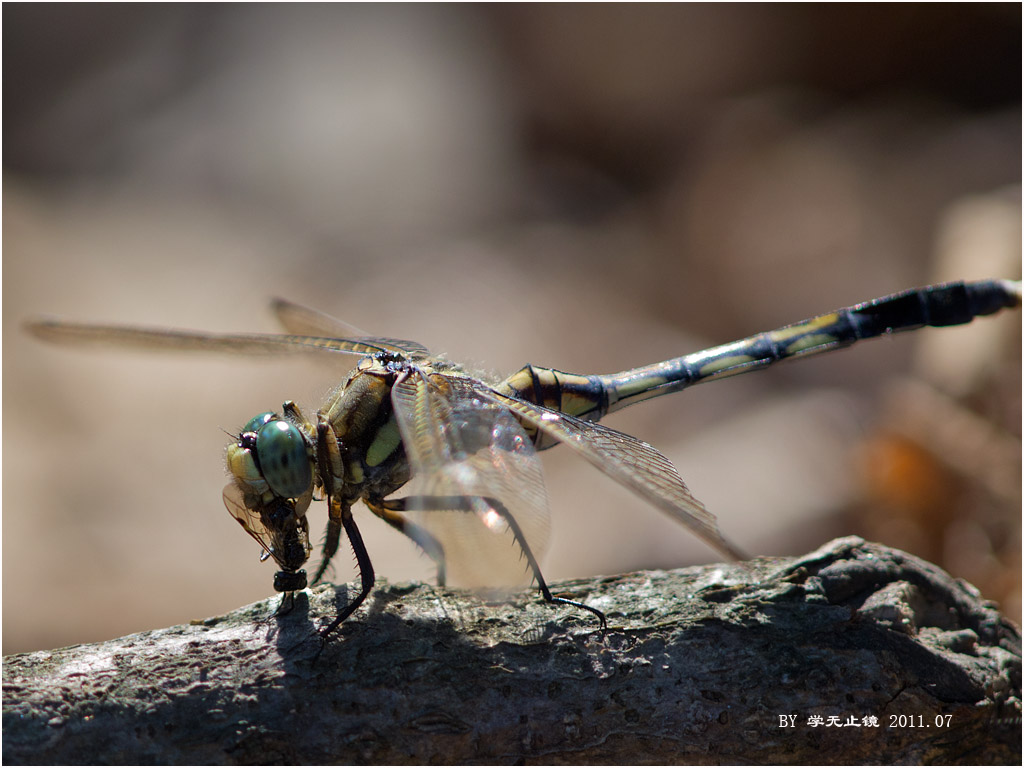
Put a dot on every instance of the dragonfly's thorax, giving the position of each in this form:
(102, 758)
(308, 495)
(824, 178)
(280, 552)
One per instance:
(361, 416)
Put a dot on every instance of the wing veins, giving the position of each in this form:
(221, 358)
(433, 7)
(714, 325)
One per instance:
(628, 460)
(460, 444)
(169, 339)
(306, 321)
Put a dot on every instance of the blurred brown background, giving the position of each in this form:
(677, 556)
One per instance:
(587, 187)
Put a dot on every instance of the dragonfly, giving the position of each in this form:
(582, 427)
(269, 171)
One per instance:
(466, 450)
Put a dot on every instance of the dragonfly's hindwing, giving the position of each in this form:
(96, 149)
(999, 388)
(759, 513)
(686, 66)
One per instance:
(462, 446)
(630, 461)
(305, 321)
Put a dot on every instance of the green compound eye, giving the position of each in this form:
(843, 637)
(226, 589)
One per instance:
(258, 421)
(283, 458)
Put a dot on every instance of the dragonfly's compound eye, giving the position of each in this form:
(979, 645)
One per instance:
(289, 581)
(283, 458)
(256, 422)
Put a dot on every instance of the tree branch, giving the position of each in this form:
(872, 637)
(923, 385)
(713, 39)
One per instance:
(699, 665)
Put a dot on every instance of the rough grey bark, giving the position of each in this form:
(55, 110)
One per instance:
(698, 665)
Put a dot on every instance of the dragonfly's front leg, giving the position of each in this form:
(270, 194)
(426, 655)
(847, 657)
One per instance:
(331, 469)
(467, 504)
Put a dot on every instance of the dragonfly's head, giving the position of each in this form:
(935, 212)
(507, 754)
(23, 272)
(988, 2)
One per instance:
(271, 469)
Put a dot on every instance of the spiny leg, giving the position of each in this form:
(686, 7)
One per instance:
(365, 570)
(390, 511)
(330, 470)
(465, 504)
(339, 513)
(332, 537)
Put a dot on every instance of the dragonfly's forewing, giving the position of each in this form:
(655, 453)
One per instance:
(631, 462)
(162, 339)
(460, 445)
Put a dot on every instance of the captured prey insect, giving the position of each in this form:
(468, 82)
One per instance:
(471, 447)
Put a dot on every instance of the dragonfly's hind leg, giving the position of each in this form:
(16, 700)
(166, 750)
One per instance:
(466, 504)
(391, 512)
(535, 567)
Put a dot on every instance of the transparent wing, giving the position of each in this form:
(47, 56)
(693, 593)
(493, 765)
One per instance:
(306, 321)
(298, 319)
(628, 460)
(460, 445)
(283, 534)
(248, 519)
(169, 339)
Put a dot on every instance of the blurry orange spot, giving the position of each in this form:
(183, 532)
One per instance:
(899, 473)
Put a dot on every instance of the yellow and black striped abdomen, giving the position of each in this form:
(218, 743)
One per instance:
(591, 397)
(936, 305)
